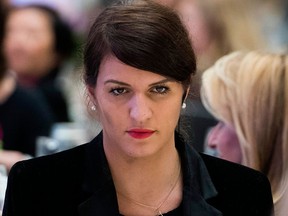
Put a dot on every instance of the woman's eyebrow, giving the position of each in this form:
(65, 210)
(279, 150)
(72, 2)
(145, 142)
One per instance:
(162, 81)
(126, 84)
(116, 82)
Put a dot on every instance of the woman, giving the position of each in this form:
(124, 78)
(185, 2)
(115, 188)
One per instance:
(37, 46)
(138, 65)
(247, 93)
(23, 115)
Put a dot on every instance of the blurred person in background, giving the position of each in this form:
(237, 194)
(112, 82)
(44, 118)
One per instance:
(248, 93)
(37, 45)
(24, 115)
(216, 28)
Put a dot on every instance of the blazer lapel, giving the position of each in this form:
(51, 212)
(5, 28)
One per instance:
(195, 205)
(99, 196)
(198, 186)
(102, 202)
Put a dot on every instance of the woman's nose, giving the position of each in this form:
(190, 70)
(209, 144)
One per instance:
(211, 143)
(212, 137)
(140, 109)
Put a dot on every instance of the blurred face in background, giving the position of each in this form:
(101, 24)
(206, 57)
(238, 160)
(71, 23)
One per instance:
(29, 43)
(169, 3)
(196, 24)
(224, 141)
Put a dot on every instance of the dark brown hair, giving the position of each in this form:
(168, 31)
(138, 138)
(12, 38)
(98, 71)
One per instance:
(141, 34)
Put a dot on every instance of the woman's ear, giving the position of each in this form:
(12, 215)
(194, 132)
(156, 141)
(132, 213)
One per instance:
(91, 102)
(91, 93)
(185, 94)
(91, 99)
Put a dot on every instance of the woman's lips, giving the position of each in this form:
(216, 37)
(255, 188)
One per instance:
(140, 133)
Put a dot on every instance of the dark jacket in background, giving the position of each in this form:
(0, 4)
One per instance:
(23, 117)
(51, 88)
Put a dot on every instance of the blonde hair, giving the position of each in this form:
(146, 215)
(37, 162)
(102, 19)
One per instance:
(250, 92)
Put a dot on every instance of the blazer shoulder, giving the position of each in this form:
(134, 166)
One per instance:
(65, 160)
(240, 188)
(222, 168)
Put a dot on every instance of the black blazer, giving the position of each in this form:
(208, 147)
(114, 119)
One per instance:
(78, 182)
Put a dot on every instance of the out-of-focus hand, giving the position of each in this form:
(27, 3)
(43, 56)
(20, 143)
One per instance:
(8, 158)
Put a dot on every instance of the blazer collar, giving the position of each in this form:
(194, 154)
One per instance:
(98, 186)
(100, 194)
(102, 202)
(198, 186)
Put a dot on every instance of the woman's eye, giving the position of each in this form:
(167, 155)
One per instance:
(118, 91)
(160, 89)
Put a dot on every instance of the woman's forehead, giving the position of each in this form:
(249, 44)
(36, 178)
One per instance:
(111, 67)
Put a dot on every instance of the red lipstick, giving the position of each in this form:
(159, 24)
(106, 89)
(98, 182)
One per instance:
(140, 133)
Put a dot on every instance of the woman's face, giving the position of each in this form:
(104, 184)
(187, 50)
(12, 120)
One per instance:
(223, 139)
(29, 43)
(139, 110)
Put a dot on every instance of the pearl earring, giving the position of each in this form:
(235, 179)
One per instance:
(93, 108)
(183, 105)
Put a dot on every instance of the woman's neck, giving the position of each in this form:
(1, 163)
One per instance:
(7, 86)
(28, 81)
(149, 181)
